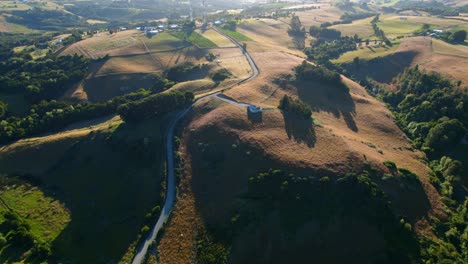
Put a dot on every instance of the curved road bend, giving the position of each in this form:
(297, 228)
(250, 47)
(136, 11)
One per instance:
(171, 190)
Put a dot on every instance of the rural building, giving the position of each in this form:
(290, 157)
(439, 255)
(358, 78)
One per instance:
(254, 109)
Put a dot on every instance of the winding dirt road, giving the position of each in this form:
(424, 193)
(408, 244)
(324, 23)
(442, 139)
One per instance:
(171, 190)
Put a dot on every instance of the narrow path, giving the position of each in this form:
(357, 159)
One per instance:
(171, 190)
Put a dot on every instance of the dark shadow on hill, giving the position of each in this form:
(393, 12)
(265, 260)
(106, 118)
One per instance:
(108, 181)
(381, 69)
(334, 99)
(298, 41)
(255, 117)
(299, 129)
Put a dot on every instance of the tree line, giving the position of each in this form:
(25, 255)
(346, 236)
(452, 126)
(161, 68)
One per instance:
(154, 105)
(378, 32)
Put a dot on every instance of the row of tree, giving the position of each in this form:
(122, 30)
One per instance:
(154, 105)
(378, 32)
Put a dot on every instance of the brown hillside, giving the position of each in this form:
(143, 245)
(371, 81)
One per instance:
(225, 147)
(430, 54)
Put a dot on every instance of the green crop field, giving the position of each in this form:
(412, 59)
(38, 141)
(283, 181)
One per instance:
(197, 39)
(162, 42)
(235, 35)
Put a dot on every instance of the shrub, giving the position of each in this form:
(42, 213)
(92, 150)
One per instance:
(144, 230)
(310, 72)
(390, 165)
(295, 106)
(221, 75)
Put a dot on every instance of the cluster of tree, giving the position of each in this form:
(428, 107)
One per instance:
(10, 40)
(295, 106)
(44, 78)
(434, 114)
(324, 199)
(154, 105)
(378, 32)
(48, 116)
(430, 108)
(183, 72)
(347, 17)
(74, 37)
(323, 32)
(324, 50)
(46, 19)
(296, 28)
(230, 25)
(458, 36)
(432, 7)
(310, 72)
(18, 236)
(221, 75)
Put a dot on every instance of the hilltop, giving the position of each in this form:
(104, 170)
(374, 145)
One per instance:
(349, 133)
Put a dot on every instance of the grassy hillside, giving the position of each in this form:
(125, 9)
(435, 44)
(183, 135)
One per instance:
(430, 54)
(102, 178)
(350, 132)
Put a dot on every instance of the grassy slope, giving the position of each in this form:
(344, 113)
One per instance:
(108, 176)
(366, 53)
(430, 54)
(352, 129)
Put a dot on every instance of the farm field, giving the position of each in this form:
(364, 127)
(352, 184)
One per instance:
(394, 26)
(360, 27)
(235, 35)
(271, 34)
(197, 39)
(135, 61)
(216, 38)
(315, 17)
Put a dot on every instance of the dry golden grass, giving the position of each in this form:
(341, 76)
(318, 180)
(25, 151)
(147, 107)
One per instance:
(438, 56)
(360, 27)
(94, 21)
(315, 17)
(196, 86)
(348, 134)
(269, 34)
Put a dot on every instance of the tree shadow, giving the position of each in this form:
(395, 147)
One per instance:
(298, 41)
(382, 69)
(334, 99)
(299, 129)
(256, 118)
